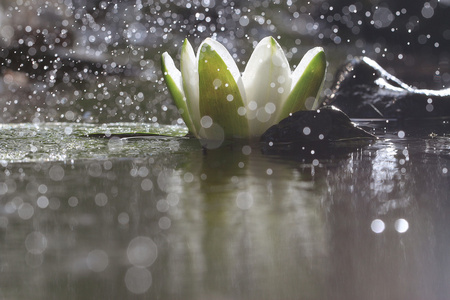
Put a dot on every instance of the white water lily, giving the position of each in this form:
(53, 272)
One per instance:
(216, 102)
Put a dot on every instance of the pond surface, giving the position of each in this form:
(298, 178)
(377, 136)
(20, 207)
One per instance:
(159, 218)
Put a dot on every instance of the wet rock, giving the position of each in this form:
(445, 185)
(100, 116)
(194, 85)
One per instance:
(364, 90)
(315, 131)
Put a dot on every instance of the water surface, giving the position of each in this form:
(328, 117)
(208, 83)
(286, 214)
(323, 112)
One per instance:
(160, 218)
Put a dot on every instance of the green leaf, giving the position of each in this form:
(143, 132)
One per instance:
(220, 97)
(307, 80)
(172, 76)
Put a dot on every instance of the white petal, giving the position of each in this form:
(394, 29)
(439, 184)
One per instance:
(174, 83)
(172, 70)
(267, 81)
(189, 73)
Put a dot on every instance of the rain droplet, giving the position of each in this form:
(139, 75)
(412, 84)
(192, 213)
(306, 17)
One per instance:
(142, 251)
(164, 222)
(206, 121)
(188, 177)
(36, 242)
(97, 260)
(172, 199)
(162, 206)
(56, 173)
(42, 202)
(244, 200)
(146, 184)
(382, 17)
(401, 225)
(246, 150)
(427, 10)
(101, 199)
(25, 211)
(68, 130)
(73, 201)
(123, 218)
(95, 169)
(244, 21)
(138, 280)
(252, 105)
(217, 83)
(270, 108)
(262, 115)
(377, 226)
(306, 131)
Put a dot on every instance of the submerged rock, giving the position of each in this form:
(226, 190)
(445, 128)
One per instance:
(364, 90)
(315, 131)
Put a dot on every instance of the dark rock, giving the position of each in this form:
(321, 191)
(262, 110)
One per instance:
(364, 90)
(315, 131)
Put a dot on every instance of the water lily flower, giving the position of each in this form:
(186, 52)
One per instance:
(216, 102)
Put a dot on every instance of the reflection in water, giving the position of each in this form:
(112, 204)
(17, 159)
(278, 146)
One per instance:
(229, 224)
(383, 225)
(246, 230)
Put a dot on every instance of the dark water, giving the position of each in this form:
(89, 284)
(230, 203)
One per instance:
(174, 222)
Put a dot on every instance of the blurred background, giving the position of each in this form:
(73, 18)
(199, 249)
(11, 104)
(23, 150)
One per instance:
(99, 61)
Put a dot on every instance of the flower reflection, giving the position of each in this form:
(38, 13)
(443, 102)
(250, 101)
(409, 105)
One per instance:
(237, 221)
